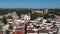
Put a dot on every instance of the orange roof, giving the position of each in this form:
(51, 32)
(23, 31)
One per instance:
(22, 24)
(1, 32)
(30, 31)
(19, 29)
(18, 19)
(18, 32)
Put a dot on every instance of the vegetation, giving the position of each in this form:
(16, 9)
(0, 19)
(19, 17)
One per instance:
(19, 12)
(52, 16)
(5, 11)
(4, 20)
(8, 31)
(54, 23)
(48, 21)
(10, 27)
(36, 26)
(35, 15)
(26, 11)
(48, 16)
(10, 17)
(54, 11)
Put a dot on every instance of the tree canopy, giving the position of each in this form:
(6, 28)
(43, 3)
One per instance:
(4, 20)
(36, 15)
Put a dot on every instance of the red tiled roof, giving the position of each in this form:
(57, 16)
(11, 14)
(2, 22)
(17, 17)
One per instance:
(1, 32)
(18, 18)
(22, 24)
(30, 31)
(14, 24)
(22, 18)
(18, 32)
(19, 29)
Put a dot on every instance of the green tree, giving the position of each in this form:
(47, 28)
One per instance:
(10, 17)
(4, 20)
(36, 15)
(46, 16)
(52, 16)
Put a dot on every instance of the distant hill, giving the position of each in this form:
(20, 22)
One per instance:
(5, 11)
(54, 11)
(26, 11)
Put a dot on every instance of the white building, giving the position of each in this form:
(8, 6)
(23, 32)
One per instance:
(25, 16)
(38, 11)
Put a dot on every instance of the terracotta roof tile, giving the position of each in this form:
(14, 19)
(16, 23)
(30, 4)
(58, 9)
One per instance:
(1, 32)
(30, 31)
(18, 32)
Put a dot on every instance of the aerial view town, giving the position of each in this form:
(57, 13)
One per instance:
(29, 16)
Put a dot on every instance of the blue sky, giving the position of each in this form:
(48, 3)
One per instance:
(29, 3)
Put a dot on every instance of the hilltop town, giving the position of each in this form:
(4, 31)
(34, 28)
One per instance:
(29, 21)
